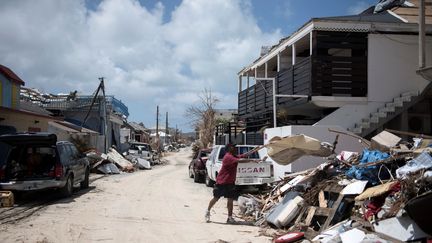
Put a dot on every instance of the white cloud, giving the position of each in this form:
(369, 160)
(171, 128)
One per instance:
(358, 7)
(59, 46)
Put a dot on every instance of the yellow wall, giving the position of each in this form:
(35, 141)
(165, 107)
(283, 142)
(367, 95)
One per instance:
(22, 122)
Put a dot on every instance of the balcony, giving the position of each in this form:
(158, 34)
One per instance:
(311, 76)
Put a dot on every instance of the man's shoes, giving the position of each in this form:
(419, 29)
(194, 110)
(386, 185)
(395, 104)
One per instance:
(207, 216)
(230, 220)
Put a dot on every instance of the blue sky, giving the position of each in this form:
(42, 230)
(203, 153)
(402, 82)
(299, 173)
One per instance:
(150, 52)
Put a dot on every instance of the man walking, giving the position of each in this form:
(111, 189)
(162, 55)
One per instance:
(225, 181)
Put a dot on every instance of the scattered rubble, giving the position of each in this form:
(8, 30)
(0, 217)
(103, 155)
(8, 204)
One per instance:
(380, 194)
(115, 163)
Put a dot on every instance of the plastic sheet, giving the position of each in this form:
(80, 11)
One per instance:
(369, 173)
(423, 161)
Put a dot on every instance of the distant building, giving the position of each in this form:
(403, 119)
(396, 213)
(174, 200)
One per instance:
(74, 108)
(138, 132)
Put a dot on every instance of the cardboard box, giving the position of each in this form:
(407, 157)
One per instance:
(384, 141)
(6, 199)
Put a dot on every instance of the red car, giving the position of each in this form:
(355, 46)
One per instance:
(197, 167)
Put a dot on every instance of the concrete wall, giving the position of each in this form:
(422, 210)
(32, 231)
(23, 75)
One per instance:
(348, 115)
(321, 133)
(392, 65)
(94, 123)
(62, 135)
(23, 122)
(78, 116)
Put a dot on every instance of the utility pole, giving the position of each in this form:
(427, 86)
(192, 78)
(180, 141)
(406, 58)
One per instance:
(166, 128)
(157, 127)
(157, 120)
(102, 112)
(102, 84)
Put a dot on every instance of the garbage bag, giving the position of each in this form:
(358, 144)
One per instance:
(369, 173)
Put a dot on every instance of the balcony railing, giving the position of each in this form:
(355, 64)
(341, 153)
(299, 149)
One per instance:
(312, 76)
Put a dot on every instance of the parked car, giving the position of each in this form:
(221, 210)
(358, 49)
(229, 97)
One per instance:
(197, 167)
(36, 161)
(171, 148)
(142, 150)
(257, 174)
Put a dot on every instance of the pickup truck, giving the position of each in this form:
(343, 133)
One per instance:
(247, 173)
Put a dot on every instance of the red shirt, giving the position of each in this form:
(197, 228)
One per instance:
(228, 172)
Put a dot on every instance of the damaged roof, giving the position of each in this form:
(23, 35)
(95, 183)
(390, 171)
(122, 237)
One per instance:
(137, 127)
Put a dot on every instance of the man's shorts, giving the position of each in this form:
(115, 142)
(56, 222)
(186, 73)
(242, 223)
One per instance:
(227, 191)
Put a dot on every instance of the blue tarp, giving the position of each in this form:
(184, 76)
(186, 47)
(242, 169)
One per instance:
(369, 173)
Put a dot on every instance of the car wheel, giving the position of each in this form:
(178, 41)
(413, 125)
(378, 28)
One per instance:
(67, 190)
(85, 183)
(191, 175)
(209, 182)
(197, 178)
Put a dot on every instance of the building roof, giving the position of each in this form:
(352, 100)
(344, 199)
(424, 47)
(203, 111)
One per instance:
(367, 16)
(29, 106)
(137, 127)
(11, 75)
(29, 113)
(70, 128)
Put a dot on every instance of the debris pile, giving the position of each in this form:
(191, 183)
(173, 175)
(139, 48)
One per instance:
(380, 194)
(113, 162)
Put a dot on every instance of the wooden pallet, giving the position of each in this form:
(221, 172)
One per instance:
(312, 216)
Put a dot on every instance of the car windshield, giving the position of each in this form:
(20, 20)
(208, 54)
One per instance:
(240, 150)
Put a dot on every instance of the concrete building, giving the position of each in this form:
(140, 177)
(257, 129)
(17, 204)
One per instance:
(357, 72)
(354, 73)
